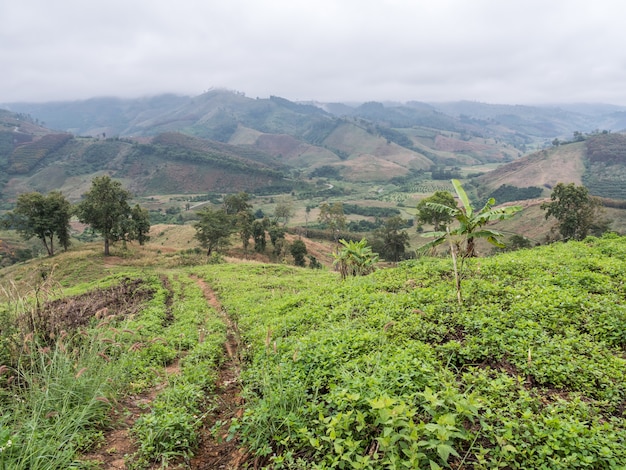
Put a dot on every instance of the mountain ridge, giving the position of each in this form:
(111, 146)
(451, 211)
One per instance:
(266, 141)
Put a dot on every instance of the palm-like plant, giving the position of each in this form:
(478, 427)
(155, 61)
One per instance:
(354, 258)
(469, 228)
(470, 223)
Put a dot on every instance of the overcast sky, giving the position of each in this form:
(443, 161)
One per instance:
(495, 51)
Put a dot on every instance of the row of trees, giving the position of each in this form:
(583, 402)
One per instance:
(104, 207)
(215, 227)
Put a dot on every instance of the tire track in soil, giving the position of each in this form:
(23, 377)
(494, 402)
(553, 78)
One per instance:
(117, 442)
(215, 452)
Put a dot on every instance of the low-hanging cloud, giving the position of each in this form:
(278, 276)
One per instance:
(486, 50)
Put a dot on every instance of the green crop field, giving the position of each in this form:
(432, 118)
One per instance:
(384, 371)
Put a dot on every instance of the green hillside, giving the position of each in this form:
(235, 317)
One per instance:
(370, 142)
(168, 163)
(381, 371)
(606, 165)
(598, 161)
(219, 114)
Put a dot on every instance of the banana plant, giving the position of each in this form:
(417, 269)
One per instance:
(469, 227)
(470, 223)
(354, 258)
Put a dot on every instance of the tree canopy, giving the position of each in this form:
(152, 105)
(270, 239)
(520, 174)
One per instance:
(332, 218)
(44, 217)
(391, 240)
(436, 217)
(105, 208)
(575, 210)
(214, 229)
(298, 251)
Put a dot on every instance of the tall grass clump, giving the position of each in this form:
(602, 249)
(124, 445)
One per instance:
(58, 387)
(56, 404)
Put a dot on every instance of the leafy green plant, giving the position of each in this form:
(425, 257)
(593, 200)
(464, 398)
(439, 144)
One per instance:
(354, 258)
(383, 372)
(470, 223)
(462, 238)
(170, 430)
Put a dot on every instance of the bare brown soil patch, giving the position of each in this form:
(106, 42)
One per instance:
(545, 168)
(69, 313)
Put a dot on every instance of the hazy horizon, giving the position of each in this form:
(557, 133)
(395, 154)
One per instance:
(516, 52)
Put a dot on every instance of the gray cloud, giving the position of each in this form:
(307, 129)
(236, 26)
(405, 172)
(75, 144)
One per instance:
(510, 51)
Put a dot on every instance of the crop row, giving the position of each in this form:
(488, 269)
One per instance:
(26, 156)
(386, 371)
(66, 392)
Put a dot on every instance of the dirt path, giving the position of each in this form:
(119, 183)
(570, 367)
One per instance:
(118, 443)
(215, 452)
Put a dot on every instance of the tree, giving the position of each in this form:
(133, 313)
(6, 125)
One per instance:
(354, 258)
(140, 224)
(105, 208)
(213, 229)
(237, 206)
(575, 210)
(332, 217)
(298, 250)
(391, 239)
(283, 211)
(277, 237)
(437, 218)
(243, 221)
(44, 217)
(258, 234)
(517, 242)
(234, 203)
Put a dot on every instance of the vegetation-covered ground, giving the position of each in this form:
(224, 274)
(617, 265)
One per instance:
(381, 371)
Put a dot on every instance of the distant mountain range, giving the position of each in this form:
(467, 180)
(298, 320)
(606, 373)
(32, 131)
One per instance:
(223, 141)
(214, 114)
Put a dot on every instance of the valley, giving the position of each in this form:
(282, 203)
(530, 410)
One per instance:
(172, 354)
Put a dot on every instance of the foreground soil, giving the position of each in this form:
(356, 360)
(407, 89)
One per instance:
(216, 450)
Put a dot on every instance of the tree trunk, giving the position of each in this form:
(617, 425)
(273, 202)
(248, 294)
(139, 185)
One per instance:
(45, 243)
(470, 251)
(457, 276)
(106, 247)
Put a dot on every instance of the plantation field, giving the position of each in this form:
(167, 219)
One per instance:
(375, 372)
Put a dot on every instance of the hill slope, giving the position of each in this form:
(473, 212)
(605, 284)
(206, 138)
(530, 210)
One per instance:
(465, 133)
(166, 163)
(598, 162)
(530, 370)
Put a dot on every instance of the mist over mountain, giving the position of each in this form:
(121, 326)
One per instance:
(218, 108)
(223, 140)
